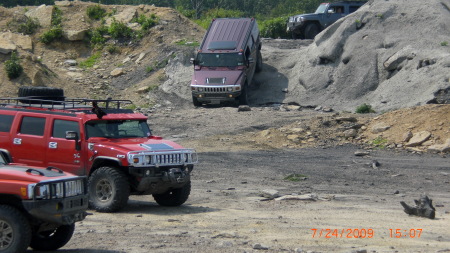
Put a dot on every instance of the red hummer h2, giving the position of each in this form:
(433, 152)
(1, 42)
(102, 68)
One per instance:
(114, 147)
(38, 207)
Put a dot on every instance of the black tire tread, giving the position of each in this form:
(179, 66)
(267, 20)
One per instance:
(174, 197)
(59, 237)
(122, 191)
(23, 237)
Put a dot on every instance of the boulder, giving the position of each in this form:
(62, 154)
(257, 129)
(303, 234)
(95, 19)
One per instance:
(11, 41)
(380, 127)
(399, 57)
(125, 16)
(43, 14)
(440, 147)
(418, 139)
(117, 72)
(75, 35)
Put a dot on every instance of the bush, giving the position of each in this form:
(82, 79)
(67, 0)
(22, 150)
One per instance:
(12, 66)
(29, 27)
(364, 108)
(147, 23)
(56, 17)
(119, 30)
(95, 12)
(273, 28)
(51, 35)
(97, 37)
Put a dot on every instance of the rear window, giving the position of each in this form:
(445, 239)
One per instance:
(353, 8)
(32, 126)
(5, 122)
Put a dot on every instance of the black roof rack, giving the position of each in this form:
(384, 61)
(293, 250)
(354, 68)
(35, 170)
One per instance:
(66, 104)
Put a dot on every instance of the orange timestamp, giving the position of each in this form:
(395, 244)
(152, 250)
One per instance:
(329, 233)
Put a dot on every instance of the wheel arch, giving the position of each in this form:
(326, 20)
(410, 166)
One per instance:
(12, 200)
(6, 154)
(103, 161)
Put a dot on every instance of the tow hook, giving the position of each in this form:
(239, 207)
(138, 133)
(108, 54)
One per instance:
(176, 175)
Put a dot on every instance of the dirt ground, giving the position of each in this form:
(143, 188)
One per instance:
(227, 213)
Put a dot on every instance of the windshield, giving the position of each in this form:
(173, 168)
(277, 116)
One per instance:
(321, 9)
(117, 128)
(220, 59)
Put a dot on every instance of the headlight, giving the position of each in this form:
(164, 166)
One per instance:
(56, 190)
(148, 159)
(230, 89)
(200, 89)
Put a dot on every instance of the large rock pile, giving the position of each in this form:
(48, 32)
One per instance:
(390, 54)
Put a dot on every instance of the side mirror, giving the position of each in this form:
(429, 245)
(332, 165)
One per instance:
(251, 60)
(72, 135)
(193, 61)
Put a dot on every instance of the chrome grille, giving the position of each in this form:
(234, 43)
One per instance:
(168, 159)
(214, 89)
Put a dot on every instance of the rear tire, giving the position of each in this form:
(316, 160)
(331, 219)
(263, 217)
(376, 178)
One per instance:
(311, 30)
(174, 197)
(52, 239)
(15, 231)
(108, 190)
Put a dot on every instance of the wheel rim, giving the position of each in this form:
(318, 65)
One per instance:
(103, 190)
(6, 235)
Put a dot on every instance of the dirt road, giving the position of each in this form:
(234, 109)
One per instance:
(348, 196)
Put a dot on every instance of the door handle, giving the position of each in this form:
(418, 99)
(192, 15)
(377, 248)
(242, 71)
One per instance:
(52, 145)
(17, 141)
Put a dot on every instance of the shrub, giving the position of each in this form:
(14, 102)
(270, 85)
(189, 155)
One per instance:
(444, 43)
(97, 35)
(147, 23)
(295, 177)
(56, 17)
(12, 66)
(29, 27)
(274, 28)
(51, 35)
(364, 108)
(112, 49)
(95, 12)
(119, 30)
(379, 142)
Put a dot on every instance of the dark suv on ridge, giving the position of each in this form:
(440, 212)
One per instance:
(307, 26)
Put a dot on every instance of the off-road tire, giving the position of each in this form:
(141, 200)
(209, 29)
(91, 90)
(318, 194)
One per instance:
(52, 239)
(311, 30)
(108, 189)
(15, 231)
(42, 93)
(259, 63)
(174, 197)
(243, 98)
(196, 102)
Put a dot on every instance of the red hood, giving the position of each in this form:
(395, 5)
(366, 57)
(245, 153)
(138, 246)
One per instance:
(135, 144)
(231, 75)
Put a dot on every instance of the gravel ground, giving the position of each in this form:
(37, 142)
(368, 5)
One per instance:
(346, 196)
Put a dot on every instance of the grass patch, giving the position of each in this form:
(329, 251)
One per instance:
(364, 108)
(90, 62)
(379, 142)
(444, 43)
(184, 42)
(295, 177)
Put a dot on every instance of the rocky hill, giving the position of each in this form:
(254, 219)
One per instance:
(388, 54)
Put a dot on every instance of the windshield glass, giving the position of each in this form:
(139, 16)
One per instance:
(117, 128)
(321, 9)
(220, 59)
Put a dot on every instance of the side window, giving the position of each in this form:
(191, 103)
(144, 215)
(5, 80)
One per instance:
(61, 126)
(353, 8)
(5, 122)
(32, 126)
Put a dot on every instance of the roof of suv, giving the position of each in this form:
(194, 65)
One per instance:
(227, 34)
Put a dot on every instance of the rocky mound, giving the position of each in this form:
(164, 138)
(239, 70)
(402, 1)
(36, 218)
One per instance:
(390, 54)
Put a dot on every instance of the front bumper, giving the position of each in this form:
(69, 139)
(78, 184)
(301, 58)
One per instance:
(215, 94)
(63, 211)
(158, 180)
